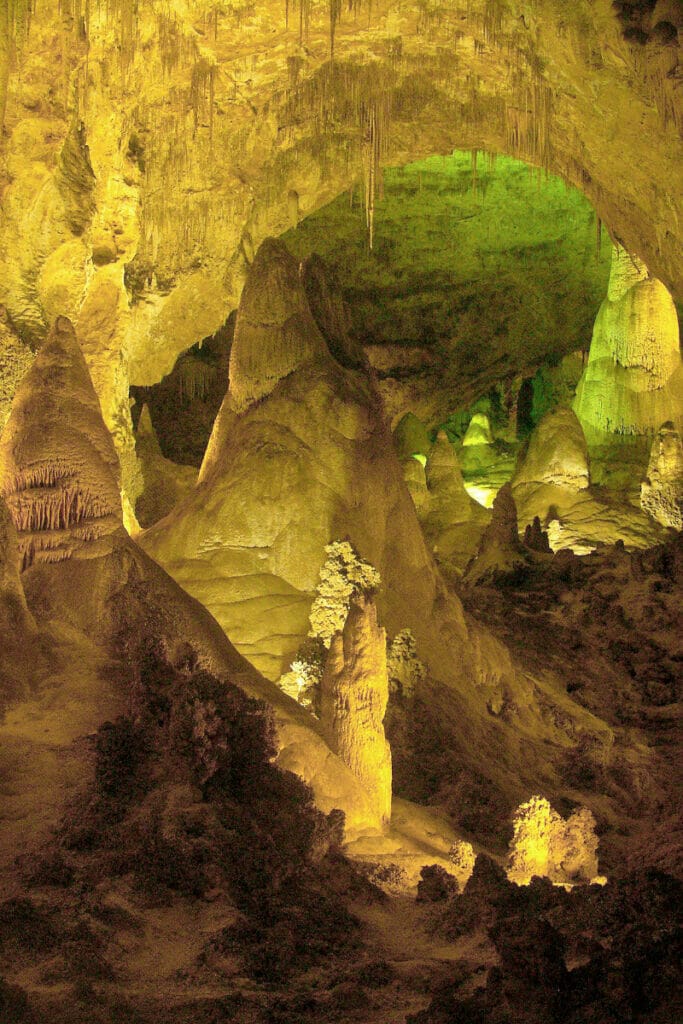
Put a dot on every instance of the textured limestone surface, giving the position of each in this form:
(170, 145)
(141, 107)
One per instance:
(354, 691)
(633, 381)
(149, 148)
(311, 463)
(500, 550)
(661, 493)
(58, 468)
(547, 846)
(557, 453)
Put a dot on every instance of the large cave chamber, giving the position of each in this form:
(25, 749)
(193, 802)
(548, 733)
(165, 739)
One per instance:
(341, 511)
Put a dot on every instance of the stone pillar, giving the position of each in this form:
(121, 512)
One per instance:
(353, 700)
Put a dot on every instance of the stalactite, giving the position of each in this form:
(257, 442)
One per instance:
(335, 15)
(598, 236)
(355, 96)
(195, 379)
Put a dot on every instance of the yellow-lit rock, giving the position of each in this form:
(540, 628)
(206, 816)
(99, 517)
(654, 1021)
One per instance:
(633, 381)
(58, 466)
(15, 359)
(661, 493)
(546, 845)
(275, 332)
(478, 431)
(353, 699)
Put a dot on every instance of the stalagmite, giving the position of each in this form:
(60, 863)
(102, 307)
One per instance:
(58, 466)
(545, 845)
(479, 431)
(275, 332)
(449, 501)
(416, 482)
(353, 700)
(557, 454)
(500, 550)
(633, 381)
(661, 493)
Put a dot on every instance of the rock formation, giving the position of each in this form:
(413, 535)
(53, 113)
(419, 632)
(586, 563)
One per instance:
(552, 484)
(308, 464)
(416, 481)
(545, 845)
(557, 454)
(58, 466)
(500, 550)
(478, 431)
(449, 502)
(633, 381)
(661, 493)
(15, 359)
(165, 483)
(275, 332)
(17, 626)
(411, 438)
(353, 699)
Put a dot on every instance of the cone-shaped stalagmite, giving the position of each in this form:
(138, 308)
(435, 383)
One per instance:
(449, 501)
(353, 699)
(633, 381)
(557, 454)
(58, 466)
(500, 550)
(275, 332)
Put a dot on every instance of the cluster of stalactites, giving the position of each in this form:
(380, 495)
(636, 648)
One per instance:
(58, 466)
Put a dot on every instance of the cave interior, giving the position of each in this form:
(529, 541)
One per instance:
(341, 511)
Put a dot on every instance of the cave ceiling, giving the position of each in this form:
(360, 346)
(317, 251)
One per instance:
(150, 147)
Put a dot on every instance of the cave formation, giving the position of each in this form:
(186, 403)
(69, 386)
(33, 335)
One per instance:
(341, 497)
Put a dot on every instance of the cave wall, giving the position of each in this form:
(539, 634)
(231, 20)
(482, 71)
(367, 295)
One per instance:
(148, 149)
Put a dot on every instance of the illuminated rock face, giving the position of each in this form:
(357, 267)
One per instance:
(17, 627)
(275, 332)
(449, 501)
(15, 360)
(557, 454)
(353, 699)
(306, 464)
(661, 493)
(479, 431)
(58, 466)
(633, 381)
(546, 845)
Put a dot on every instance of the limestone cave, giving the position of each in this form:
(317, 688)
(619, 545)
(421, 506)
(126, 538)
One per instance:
(341, 511)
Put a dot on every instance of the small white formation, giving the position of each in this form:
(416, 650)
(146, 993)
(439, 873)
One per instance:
(661, 493)
(353, 701)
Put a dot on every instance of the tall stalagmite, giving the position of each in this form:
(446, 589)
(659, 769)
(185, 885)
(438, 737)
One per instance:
(58, 466)
(633, 381)
(353, 699)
